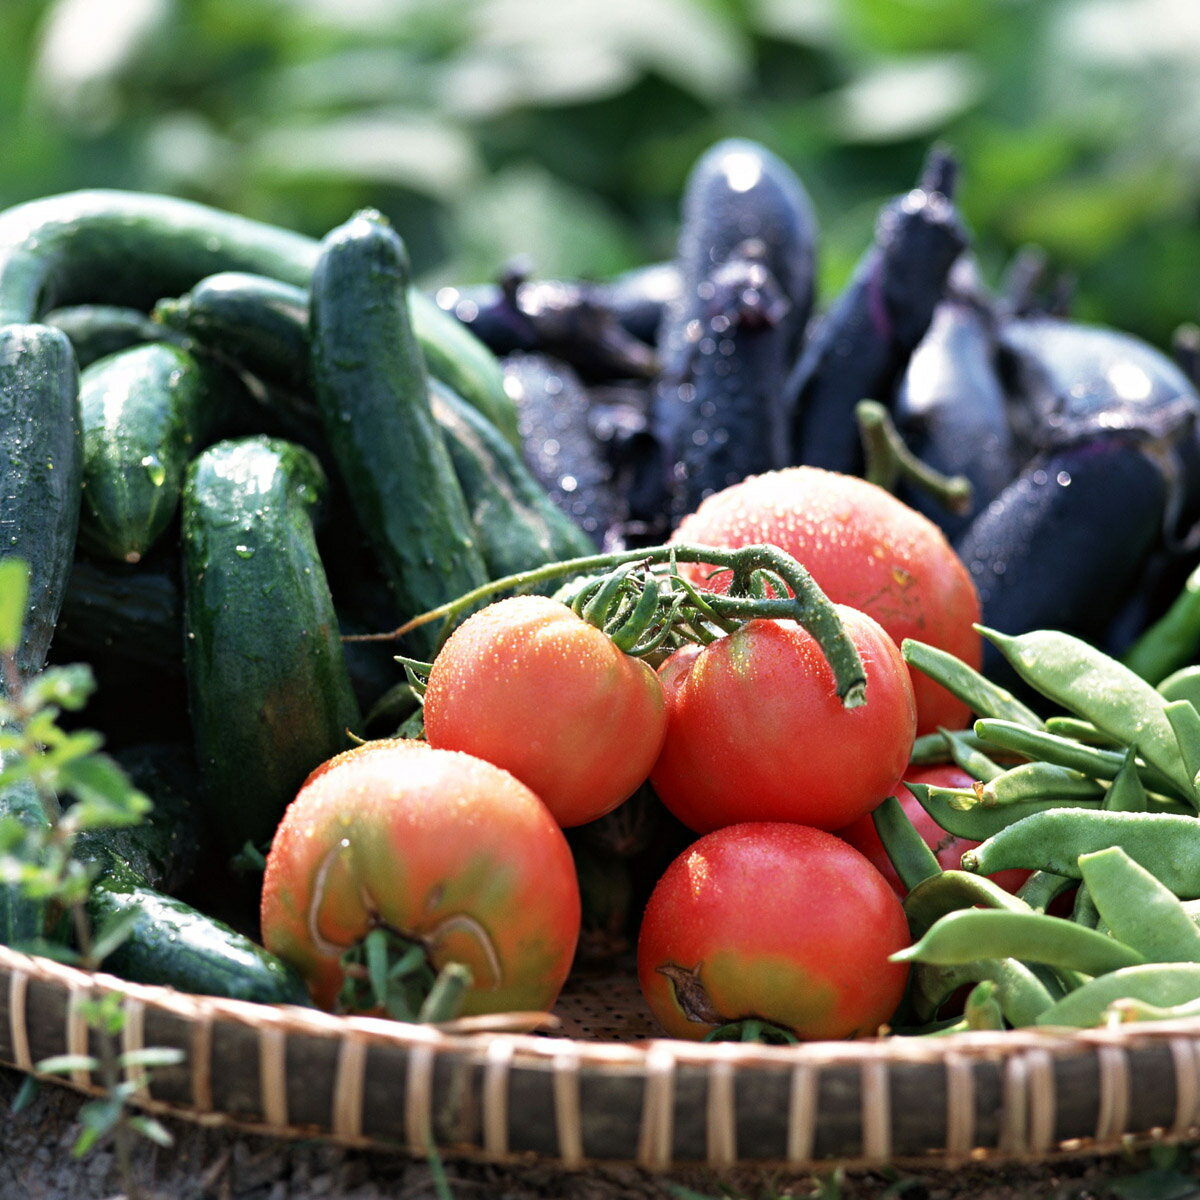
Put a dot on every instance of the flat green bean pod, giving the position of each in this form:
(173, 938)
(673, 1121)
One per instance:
(1096, 762)
(910, 854)
(1165, 844)
(958, 812)
(1020, 993)
(1127, 794)
(1159, 984)
(1183, 684)
(1185, 721)
(1039, 781)
(1137, 909)
(981, 695)
(1101, 690)
(950, 891)
(973, 933)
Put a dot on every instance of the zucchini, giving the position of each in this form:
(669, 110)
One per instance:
(262, 325)
(172, 944)
(269, 692)
(40, 471)
(97, 330)
(371, 387)
(517, 525)
(133, 249)
(131, 613)
(146, 411)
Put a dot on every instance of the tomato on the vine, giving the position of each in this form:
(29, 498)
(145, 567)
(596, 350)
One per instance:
(437, 847)
(757, 732)
(775, 922)
(527, 684)
(865, 548)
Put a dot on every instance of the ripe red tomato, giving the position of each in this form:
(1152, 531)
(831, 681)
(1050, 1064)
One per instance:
(756, 732)
(442, 848)
(864, 548)
(527, 684)
(775, 921)
(948, 848)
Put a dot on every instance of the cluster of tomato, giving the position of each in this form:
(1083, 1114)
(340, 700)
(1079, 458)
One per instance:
(535, 721)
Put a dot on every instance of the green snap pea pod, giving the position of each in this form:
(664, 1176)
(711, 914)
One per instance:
(1137, 909)
(1080, 731)
(1159, 984)
(1185, 721)
(1038, 781)
(1087, 682)
(983, 697)
(1022, 996)
(1183, 684)
(950, 891)
(1164, 843)
(1093, 761)
(974, 933)
(1173, 639)
(1127, 793)
(930, 749)
(910, 854)
(1084, 911)
(967, 754)
(1042, 888)
(958, 811)
(982, 1009)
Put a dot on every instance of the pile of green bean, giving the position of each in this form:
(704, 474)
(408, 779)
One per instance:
(1101, 798)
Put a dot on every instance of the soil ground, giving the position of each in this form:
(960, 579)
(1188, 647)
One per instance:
(217, 1164)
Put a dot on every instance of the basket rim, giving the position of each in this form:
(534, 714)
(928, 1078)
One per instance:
(887, 1075)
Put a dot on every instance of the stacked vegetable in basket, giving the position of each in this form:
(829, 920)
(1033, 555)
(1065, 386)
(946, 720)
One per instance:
(522, 621)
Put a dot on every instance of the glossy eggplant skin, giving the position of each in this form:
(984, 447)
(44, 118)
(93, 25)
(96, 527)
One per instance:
(639, 298)
(560, 446)
(951, 410)
(1067, 378)
(1065, 545)
(565, 320)
(747, 258)
(863, 343)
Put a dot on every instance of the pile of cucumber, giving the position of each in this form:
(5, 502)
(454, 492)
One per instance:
(224, 446)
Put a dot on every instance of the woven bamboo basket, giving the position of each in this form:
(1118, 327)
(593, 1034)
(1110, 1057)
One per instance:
(598, 1086)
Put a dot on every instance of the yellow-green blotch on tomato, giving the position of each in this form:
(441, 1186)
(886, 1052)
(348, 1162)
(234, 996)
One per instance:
(530, 686)
(773, 921)
(438, 846)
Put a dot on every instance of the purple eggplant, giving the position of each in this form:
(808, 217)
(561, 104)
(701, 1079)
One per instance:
(746, 258)
(950, 407)
(561, 447)
(567, 321)
(861, 346)
(640, 298)
(1113, 483)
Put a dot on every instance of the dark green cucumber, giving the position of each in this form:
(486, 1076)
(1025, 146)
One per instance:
(517, 525)
(146, 411)
(133, 613)
(97, 330)
(269, 691)
(370, 383)
(133, 249)
(262, 325)
(40, 471)
(172, 944)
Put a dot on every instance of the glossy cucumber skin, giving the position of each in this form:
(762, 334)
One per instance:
(146, 411)
(97, 330)
(40, 472)
(262, 325)
(371, 387)
(270, 696)
(22, 918)
(133, 612)
(517, 525)
(172, 944)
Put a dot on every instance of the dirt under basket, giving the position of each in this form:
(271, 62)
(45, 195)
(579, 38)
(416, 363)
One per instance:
(601, 1087)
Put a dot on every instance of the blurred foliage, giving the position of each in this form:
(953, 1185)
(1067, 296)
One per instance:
(563, 130)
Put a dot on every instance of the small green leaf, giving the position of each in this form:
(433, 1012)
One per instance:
(68, 687)
(152, 1056)
(113, 933)
(154, 1130)
(98, 1118)
(14, 599)
(64, 1064)
(26, 1094)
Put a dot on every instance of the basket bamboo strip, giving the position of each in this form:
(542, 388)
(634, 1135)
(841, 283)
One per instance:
(651, 1101)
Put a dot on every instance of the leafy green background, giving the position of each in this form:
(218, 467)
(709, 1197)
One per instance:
(563, 130)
